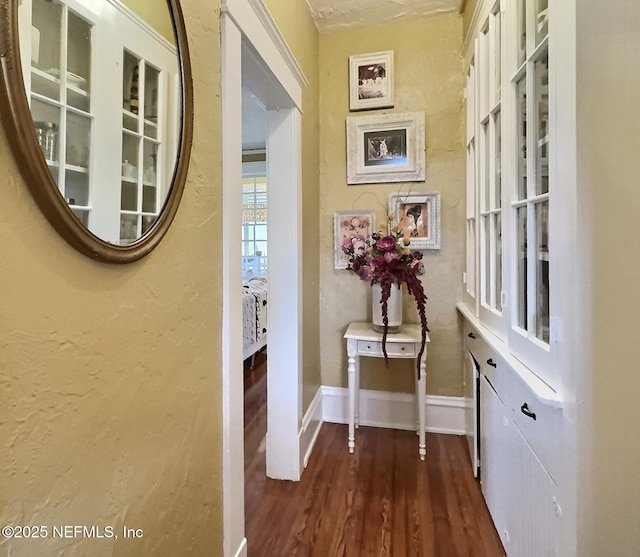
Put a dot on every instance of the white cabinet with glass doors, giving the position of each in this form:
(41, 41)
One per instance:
(57, 67)
(141, 146)
(509, 183)
(78, 68)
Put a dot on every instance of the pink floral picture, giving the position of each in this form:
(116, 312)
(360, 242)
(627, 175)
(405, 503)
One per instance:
(351, 229)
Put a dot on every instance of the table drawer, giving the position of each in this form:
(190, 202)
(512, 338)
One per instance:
(396, 349)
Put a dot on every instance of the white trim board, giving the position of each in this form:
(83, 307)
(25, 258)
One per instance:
(278, 40)
(311, 424)
(253, 18)
(232, 388)
(444, 414)
(243, 32)
(242, 550)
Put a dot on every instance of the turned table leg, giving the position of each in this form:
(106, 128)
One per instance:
(422, 446)
(352, 377)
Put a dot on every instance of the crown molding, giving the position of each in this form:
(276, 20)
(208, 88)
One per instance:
(269, 25)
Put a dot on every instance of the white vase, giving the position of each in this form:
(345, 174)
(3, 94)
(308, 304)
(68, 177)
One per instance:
(394, 308)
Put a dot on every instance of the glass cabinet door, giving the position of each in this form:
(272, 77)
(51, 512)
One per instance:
(60, 86)
(141, 147)
(530, 74)
(533, 192)
(489, 126)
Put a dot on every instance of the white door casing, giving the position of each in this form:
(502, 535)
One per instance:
(255, 55)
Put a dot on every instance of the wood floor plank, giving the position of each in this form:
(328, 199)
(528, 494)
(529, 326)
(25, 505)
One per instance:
(404, 476)
(348, 503)
(314, 525)
(462, 538)
(376, 533)
(423, 524)
(441, 520)
(466, 531)
(360, 471)
(380, 501)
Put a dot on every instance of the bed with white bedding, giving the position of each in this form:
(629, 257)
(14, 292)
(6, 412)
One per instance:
(254, 316)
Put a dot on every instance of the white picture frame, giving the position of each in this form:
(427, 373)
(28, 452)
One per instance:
(418, 213)
(384, 148)
(371, 80)
(351, 225)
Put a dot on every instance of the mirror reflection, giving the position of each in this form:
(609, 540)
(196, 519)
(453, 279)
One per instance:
(103, 83)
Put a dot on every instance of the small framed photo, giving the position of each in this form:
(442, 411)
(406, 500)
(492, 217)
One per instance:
(418, 216)
(371, 80)
(351, 227)
(385, 148)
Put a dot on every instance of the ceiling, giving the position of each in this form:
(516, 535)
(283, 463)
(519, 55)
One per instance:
(333, 14)
(337, 14)
(254, 123)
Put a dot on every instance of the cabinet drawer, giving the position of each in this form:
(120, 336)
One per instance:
(475, 343)
(492, 366)
(397, 349)
(542, 432)
(499, 374)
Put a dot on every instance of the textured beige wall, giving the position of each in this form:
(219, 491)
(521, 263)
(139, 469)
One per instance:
(296, 25)
(110, 375)
(158, 18)
(608, 383)
(429, 78)
(467, 15)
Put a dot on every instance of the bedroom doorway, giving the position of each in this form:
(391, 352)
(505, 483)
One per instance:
(255, 56)
(255, 257)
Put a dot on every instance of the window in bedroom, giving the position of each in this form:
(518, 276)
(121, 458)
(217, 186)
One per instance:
(254, 225)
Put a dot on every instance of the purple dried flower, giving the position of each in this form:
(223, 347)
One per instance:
(386, 243)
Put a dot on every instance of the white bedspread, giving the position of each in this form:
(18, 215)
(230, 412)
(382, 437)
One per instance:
(254, 313)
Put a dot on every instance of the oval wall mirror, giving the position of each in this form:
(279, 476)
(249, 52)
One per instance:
(97, 106)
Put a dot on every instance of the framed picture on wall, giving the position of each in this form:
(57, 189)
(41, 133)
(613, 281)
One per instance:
(371, 80)
(385, 148)
(417, 215)
(351, 228)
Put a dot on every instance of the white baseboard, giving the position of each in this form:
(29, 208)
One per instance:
(444, 414)
(311, 424)
(242, 550)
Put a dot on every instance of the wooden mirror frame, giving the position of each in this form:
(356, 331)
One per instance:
(18, 124)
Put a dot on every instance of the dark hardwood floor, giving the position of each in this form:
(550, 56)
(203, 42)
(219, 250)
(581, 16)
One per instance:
(255, 408)
(380, 501)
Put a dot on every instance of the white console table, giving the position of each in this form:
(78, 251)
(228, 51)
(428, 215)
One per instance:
(362, 340)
